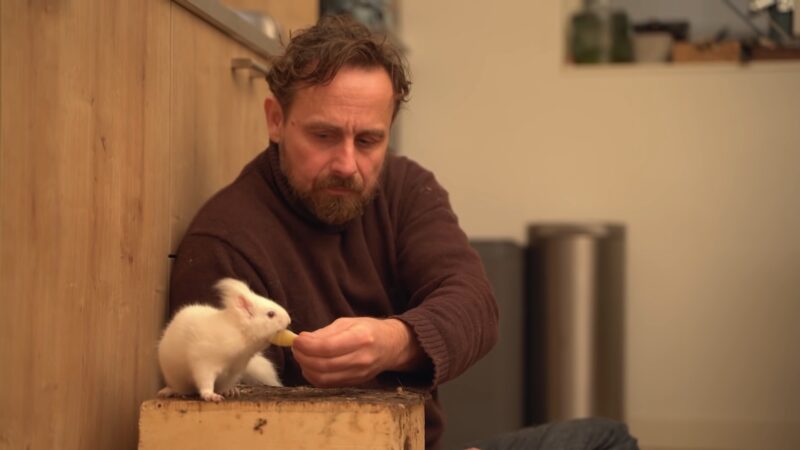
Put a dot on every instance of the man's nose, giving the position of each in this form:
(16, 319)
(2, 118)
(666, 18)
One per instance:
(344, 161)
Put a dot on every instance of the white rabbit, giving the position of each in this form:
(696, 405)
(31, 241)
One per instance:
(208, 350)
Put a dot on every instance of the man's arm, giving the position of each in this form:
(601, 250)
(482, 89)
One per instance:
(452, 310)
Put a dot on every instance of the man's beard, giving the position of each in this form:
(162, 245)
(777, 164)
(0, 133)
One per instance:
(330, 208)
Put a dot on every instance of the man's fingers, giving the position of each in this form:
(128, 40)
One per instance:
(321, 347)
(334, 328)
(348, 361)
(331, 345)
(337, 379)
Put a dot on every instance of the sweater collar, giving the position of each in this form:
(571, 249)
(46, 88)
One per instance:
(271, 170)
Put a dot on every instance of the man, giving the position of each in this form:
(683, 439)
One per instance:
(360, 246)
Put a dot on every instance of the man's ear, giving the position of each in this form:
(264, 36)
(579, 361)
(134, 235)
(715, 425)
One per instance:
(274, 114)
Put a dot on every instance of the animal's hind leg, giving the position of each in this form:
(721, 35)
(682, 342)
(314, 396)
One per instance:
(167, 392)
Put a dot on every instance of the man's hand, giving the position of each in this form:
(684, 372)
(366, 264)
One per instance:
(353, 350)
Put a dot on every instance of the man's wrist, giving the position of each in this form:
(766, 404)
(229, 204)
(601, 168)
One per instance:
(409, 353)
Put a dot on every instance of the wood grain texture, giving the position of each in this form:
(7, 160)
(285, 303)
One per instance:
(83, 208)
(289, 419)
(101, 103)
(218, 121)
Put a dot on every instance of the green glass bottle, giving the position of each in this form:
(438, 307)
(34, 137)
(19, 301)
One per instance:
(588, 40)
(621, 42)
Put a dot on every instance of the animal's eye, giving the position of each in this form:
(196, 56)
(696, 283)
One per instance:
(271, 314)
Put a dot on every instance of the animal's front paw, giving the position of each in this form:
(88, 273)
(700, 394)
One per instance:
(212, 397)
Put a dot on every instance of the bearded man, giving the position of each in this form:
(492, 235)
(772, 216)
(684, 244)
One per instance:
(359, 245)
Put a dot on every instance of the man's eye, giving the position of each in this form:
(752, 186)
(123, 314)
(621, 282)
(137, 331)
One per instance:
(367, 142)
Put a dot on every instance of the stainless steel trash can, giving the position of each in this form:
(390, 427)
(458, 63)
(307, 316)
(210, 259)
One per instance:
(576, 293)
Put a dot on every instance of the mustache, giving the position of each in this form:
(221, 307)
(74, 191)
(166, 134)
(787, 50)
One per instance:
(352, 183)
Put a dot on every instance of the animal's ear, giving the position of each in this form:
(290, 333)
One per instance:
(235, 294)
(244, 305)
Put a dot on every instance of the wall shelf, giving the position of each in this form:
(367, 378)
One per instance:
(756, 67)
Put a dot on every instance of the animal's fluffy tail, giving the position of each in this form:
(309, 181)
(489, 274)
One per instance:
(260, 371)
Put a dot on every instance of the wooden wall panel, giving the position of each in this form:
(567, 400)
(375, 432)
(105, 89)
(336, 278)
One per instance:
(84, 227)
(218, 121)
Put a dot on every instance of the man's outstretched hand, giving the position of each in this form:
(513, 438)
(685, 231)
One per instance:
(353, 350)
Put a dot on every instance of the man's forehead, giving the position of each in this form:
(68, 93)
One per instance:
(319, 123)
(366, 82)
(341, 112)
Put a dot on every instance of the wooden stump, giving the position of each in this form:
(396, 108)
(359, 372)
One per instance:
(286, 418)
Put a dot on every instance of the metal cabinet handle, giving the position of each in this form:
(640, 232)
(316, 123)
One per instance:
(257, 70)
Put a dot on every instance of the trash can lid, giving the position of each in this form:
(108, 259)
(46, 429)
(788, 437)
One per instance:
(545, 230)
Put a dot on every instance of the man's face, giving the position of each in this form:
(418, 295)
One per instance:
(333, 141)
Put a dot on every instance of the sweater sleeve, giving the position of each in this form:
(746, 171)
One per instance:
(452, 309)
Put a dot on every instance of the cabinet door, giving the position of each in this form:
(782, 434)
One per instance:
(218, 122)
(84, 96)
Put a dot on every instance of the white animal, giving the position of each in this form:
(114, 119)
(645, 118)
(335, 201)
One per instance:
(208, 350)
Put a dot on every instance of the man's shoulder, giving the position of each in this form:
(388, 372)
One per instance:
(408, 186)
(403, 172)
(233, 209)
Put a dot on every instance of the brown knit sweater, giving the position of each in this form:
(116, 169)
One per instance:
(406, 258)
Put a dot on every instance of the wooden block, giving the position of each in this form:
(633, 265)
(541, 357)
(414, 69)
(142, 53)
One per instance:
(286, 418)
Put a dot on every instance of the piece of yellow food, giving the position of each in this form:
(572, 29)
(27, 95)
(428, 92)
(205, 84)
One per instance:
(283, 338)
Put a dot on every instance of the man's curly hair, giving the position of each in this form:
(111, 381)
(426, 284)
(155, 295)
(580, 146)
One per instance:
(315, 55)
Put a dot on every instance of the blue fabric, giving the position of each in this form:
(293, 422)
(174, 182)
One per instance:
(577, 434)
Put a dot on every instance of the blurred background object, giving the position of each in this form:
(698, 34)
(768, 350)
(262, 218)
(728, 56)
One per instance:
(264, 22)
(575, 321)
(621, 40)
(377, 15)
(653, 46)
(490, 397)
(685, 30)
(288, 15)
(654, 39)
(560, 352)
(706, 52)
(780, 17)
(796, 23)
(599, 34)
(589, 38)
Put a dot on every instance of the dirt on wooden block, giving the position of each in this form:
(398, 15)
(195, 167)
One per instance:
(308, 394)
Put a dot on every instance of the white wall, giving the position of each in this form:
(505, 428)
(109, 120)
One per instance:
(703, 166)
